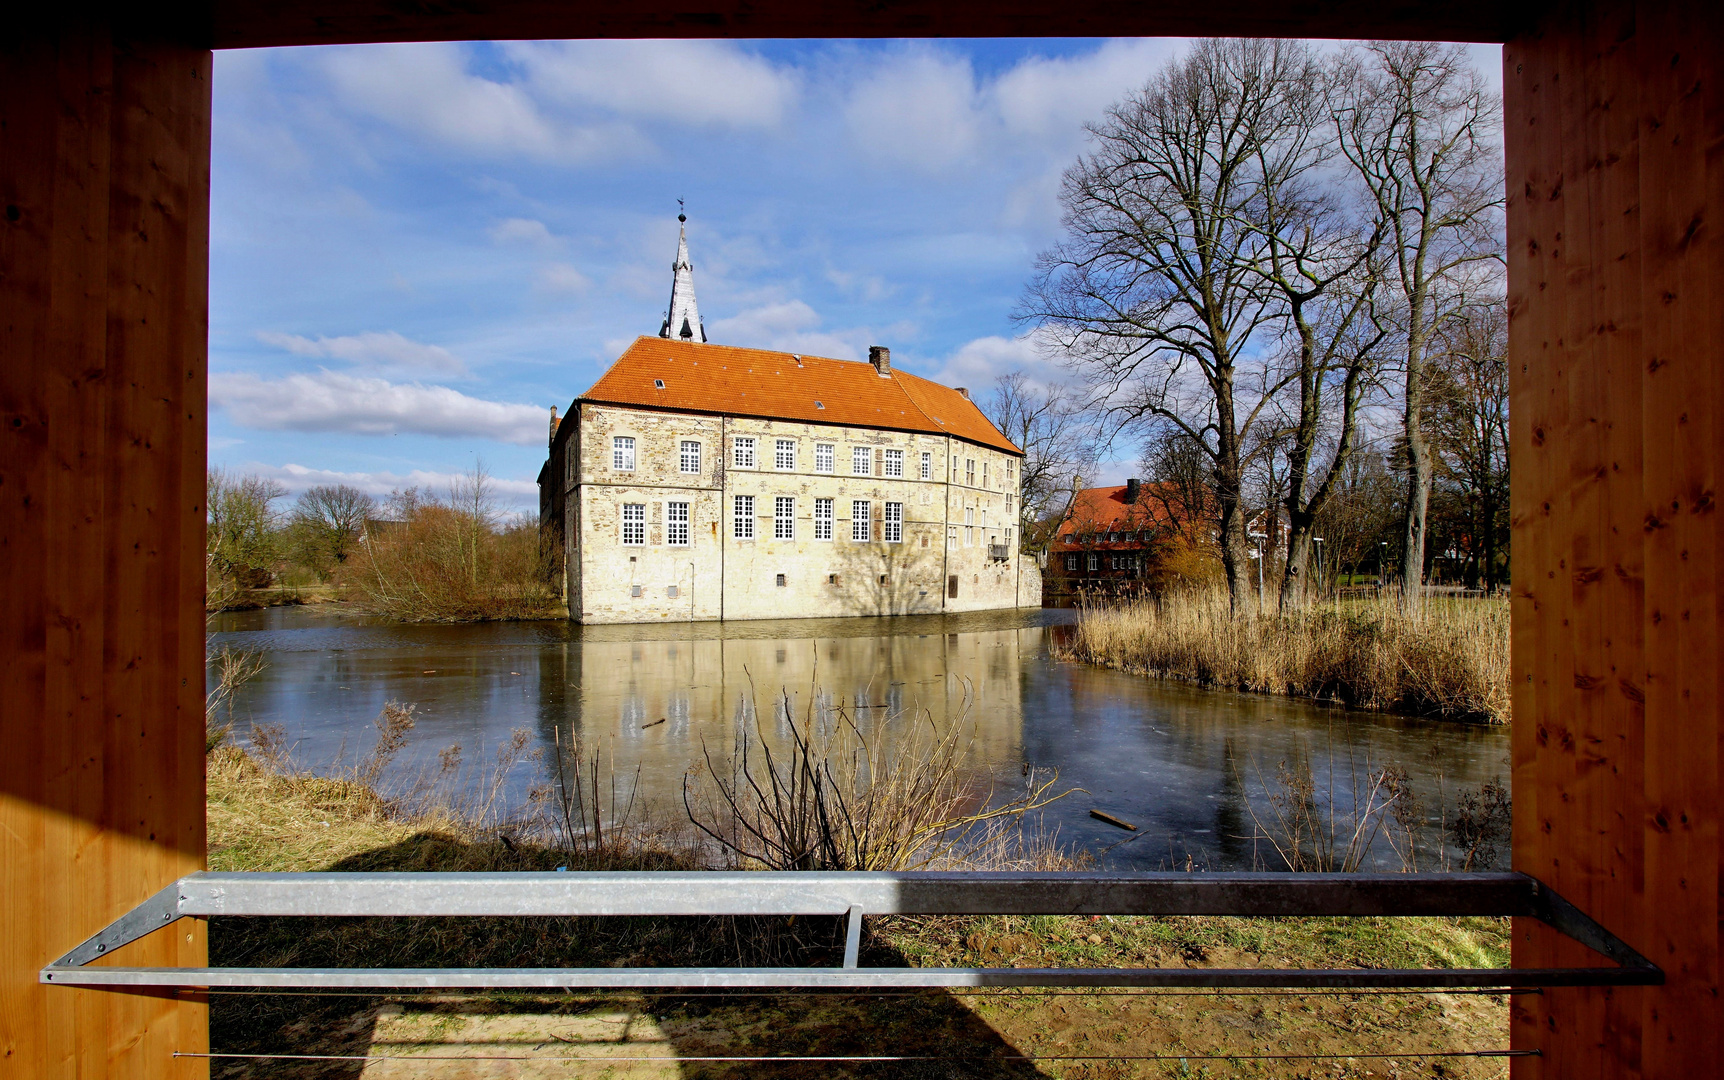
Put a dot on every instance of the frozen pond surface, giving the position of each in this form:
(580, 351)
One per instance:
(1179, 762)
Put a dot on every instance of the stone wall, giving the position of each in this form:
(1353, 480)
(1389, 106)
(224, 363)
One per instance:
(956, 550)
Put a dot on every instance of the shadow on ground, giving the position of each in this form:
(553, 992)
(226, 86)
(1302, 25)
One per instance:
(485, 1035)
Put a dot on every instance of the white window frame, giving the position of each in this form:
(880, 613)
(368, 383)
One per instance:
(969, 472)
(824, 455)
(742, 517)
(951, 537)
(861, 461)
(634, 524)
(688, 456)
(984, 473)
(895, 463)
(623, 453)
(823, 511)
(892, 525)
(927, 465)
(1094, 562)
(676, 530)
(784, 455)
(742, 452)
(1071, 563)
(969, 526)
(861, 521)
(784, 517)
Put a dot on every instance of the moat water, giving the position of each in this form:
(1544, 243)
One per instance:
(1193, 769)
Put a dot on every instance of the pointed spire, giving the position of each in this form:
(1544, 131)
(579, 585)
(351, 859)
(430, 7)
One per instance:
(683, 318)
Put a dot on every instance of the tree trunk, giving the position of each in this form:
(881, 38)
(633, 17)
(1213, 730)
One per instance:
(1418, 490)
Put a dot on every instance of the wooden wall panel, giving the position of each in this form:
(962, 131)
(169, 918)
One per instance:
(104, 210)
(1616, 333)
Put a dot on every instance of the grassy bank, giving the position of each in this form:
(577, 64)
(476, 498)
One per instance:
(264, 816)
(1452, 662)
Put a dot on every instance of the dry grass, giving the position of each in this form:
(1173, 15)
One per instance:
(1452, 662)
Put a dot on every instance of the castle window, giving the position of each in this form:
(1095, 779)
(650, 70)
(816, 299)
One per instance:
(783, 518)
(970, 472)
(861, 525)
(670, 591)
(894, 463)
(822, 519)
(634, 524)
(861, 461)
(784, 454)
(780, 583)
(894, 523)
(823, 457)
(969, 526)
(742, 524)
(927, 465)
(742, 452)
(623, 452)
(952, 537)
(689, 458)
(984, 474)
(676, 524)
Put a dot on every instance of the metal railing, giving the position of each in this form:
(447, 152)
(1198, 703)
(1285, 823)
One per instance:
(668, 893)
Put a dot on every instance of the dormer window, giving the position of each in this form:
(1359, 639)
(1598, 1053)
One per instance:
(658, 384)
(819, 404)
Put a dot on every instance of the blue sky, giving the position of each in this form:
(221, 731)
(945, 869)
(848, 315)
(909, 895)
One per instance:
(417, 250)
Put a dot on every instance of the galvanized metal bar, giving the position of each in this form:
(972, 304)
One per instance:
(817, 893)
(158, 911)
(927, 893)
(853, 938)
(838, 978)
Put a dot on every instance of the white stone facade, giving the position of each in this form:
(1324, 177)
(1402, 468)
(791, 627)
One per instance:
(683, 516)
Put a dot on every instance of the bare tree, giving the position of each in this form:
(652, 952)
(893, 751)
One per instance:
(1418, 125)
(243, 535)
(1156, 294)
(330, 521)
(1058, 438)
(473, 497)
(1469, 433)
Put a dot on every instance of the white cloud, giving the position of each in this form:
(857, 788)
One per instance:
(1053, 97)
(377, 351)
(976, 364)
(333, 402)
(789, 326)
(561, 279)
(688, 82)
(916, 109)
(426, 88)
(296, 478)
(524, 231)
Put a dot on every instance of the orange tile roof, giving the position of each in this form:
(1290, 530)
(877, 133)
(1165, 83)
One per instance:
(702, 377)
(1105, 510)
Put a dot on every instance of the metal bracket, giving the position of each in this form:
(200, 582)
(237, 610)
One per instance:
(850, 894)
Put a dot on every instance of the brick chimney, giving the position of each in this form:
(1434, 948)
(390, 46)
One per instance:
(963, 391)
(553, 425)
(1132, 488)
(881, 357)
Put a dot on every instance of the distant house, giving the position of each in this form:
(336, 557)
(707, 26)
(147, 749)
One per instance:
(1113, 542)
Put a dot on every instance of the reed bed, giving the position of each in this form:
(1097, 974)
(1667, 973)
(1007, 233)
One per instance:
(1450, 662)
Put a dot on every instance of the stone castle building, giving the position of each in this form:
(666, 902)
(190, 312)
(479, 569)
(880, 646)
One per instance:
(699, 481)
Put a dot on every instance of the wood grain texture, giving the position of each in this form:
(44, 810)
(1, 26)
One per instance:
(243, 24)
(1615, 329)
(104, 182)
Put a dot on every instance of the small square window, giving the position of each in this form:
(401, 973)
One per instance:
(658, 384)
(670, 591)
(780, 581)
(831, 579)
(882, 579)
(634, 590)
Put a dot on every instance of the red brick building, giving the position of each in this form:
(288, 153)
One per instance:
(1110, 542)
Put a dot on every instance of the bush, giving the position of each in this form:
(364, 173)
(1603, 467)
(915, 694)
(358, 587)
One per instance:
(1450, 661)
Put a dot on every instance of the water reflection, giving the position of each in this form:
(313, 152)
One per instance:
(1189, 767)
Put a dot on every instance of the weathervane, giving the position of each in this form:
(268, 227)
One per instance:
(680, 215)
